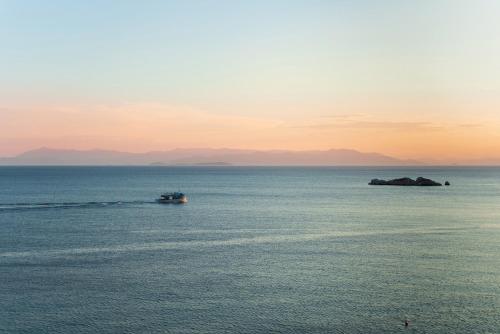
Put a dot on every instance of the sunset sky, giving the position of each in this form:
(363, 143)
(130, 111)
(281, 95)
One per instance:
(411, 79)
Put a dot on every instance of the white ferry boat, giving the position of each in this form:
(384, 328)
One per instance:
(172, 198)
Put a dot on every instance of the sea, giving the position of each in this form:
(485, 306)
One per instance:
(255, 250)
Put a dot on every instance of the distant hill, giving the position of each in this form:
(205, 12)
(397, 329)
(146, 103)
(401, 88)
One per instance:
(204, 157)
(216, 163)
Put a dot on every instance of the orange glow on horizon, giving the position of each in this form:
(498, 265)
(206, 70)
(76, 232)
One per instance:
(147, 127)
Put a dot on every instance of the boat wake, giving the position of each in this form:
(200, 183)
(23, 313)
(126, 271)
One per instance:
(64, 205)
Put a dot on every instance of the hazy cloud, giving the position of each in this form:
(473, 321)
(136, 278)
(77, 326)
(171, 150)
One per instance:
(406, 126)
(470, 125)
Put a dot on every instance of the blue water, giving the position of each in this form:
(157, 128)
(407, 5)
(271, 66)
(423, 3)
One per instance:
(256, 250)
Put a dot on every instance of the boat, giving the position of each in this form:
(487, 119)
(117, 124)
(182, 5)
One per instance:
(172, 198)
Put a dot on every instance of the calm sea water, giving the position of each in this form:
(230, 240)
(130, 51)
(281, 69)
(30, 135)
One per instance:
(256, 250)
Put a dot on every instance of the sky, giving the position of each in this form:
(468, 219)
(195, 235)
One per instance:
(410, 79)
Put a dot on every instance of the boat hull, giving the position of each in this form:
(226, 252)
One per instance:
(172, 201)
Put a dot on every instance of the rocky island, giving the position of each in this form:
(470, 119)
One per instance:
(405, 181)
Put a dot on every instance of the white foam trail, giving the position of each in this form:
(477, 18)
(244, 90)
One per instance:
(169, 245)
(63, 205)
(490, 226)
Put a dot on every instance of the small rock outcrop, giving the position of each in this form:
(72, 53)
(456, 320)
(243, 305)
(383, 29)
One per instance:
(405, 181)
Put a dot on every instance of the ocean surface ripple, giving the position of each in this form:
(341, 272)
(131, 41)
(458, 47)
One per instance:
(255, 250)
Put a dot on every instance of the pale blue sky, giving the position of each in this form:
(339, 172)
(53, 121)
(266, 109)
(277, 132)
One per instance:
(213, 51)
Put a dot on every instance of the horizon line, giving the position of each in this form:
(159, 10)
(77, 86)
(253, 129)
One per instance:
(229, 165)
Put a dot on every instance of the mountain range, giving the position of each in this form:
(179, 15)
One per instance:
(205, 156)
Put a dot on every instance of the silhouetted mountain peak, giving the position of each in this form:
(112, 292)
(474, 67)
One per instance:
(202, 156)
